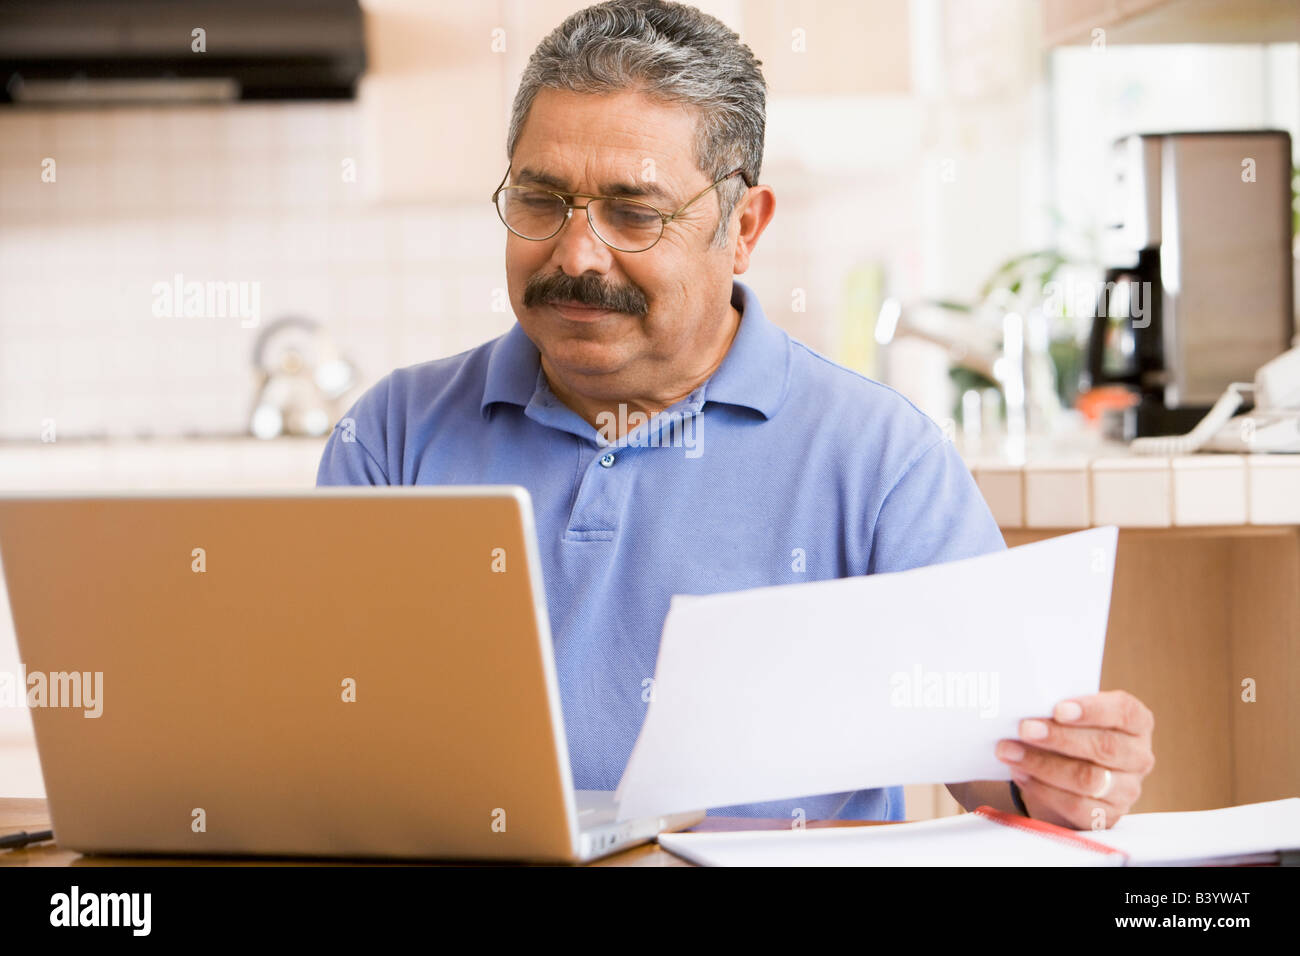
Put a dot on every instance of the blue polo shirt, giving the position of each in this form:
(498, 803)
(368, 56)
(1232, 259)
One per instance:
(782, 467)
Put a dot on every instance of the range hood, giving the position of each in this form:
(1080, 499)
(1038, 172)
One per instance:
(150, 51)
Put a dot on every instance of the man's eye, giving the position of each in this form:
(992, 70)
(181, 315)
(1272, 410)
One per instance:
(538, 200)
(629, 215)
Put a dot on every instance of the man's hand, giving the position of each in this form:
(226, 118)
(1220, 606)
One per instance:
(1083, 767)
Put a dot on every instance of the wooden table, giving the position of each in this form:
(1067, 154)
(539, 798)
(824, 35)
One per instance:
(31, 814)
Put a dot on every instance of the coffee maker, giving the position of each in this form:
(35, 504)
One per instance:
(1198, 292)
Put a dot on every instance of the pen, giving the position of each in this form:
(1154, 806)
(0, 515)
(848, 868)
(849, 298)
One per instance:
(13, 841)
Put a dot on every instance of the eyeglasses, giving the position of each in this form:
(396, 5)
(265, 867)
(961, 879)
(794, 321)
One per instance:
(627, 225)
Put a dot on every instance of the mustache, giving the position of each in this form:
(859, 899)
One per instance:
(586, 290)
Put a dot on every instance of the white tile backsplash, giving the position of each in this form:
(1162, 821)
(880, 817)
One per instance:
(247, 193)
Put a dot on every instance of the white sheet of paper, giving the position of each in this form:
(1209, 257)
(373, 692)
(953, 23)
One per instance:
(963, 840)
(911, 677)
(1198, 836)
(1151, 839)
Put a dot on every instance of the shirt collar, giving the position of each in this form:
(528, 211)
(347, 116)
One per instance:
(754, 373)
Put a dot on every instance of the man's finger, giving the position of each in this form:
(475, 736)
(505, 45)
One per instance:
(1081, 777)
(1115, 709)
(1108, 748)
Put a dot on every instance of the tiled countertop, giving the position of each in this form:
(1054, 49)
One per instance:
(1075, 483)
(1080, 486)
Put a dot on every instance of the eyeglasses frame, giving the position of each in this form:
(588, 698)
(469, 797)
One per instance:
(665, 218)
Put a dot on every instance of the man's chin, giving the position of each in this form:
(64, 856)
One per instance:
(585, 357)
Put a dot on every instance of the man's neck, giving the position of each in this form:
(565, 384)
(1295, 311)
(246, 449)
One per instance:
(599, 411)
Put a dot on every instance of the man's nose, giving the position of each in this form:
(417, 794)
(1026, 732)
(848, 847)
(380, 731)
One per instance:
(578, 249)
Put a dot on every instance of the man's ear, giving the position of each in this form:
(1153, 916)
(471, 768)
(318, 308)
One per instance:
(756, 211)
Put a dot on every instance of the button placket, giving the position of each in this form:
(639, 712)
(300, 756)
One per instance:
(600, 497)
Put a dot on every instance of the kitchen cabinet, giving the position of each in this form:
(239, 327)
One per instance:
(435, 101)
(1205, 608)
(813, 47)
(1170, 21)
(1205, 630)
(432, 102)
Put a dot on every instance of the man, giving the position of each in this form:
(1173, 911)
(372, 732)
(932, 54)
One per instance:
(673, 439)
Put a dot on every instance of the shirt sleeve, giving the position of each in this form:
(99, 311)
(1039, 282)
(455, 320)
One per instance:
(933, 514)
(356, 450)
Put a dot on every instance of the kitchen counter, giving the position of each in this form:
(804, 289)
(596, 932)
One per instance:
(1084, 484)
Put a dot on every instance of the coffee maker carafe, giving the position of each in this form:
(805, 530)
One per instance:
(1198, 292)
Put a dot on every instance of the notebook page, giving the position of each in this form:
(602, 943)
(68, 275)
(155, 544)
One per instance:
(965, 840)
(1190, 836)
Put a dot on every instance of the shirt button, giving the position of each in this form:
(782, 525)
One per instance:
(607, 460)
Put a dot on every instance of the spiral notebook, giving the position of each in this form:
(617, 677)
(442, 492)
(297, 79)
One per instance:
(1253, 833)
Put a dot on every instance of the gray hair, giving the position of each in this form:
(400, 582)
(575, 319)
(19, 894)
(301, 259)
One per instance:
(669, 51)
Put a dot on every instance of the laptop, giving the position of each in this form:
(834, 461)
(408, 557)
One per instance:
(345, 672)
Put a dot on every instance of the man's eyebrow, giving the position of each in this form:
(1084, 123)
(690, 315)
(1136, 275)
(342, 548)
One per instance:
(631, 190)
